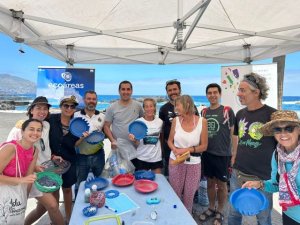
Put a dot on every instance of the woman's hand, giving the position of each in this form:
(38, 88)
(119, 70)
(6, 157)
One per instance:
(39, 168)
(131, 137)
(252, 184)
(28, 179)
(57, 158)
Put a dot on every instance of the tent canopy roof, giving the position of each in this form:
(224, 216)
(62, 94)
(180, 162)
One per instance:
(154, 32)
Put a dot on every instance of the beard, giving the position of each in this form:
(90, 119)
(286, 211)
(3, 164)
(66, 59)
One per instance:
(91, 107)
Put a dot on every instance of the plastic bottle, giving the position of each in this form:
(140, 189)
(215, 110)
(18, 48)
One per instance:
(87, 194)
(97, 198)
(113, 162)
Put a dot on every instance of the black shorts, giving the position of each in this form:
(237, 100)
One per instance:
(142, 165)
(69, 178)
(216, 166)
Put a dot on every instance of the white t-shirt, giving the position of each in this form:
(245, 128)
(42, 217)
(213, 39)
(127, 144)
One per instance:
(183, 139)
(42, 145)
(149, 149)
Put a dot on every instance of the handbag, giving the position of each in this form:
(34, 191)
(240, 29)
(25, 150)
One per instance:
(13, 201)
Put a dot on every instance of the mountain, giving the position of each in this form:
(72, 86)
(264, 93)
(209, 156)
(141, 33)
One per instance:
(13, 85)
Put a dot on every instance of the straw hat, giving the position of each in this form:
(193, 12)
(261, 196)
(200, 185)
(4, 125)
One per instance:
(277, 117)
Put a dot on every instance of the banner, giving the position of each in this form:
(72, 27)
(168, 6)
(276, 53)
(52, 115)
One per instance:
(232, 75)
(56, 82)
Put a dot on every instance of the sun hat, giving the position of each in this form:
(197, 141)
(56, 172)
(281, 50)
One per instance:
(277, 117)
(39, 100)
(69, 99)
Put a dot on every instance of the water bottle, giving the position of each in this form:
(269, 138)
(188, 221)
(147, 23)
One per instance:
(87, 194)
(113, 163)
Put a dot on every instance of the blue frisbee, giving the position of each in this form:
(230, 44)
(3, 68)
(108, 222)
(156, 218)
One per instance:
(138, 129)
(78, 126)
(100, 182)
(144, 174)
(95, 137)
(248, 202)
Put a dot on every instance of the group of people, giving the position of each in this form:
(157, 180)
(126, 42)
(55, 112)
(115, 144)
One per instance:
(181, 143)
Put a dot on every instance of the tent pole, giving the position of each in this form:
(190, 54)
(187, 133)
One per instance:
(280, 60)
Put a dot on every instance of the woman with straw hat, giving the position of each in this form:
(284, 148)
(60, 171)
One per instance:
(285, 177)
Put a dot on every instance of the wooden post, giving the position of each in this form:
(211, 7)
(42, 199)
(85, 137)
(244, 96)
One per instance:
(280, 60)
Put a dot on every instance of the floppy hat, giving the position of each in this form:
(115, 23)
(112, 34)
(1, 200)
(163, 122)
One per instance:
(277, 117)
(70, 99)
(40, 100)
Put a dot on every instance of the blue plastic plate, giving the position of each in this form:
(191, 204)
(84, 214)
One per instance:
(99, 181)
(248, 202)
(78, 126)
(138, 129)
(144, 174)
(95, 137)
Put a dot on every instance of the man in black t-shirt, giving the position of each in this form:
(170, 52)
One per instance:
(251, 159)
(216, 159)
(166, 114)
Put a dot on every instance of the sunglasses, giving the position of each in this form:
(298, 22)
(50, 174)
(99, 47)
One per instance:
(251, 79)
(174, 81)
(66, 106)
(289, 129)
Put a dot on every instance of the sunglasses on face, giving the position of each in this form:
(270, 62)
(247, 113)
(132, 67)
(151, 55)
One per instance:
(66, 106)
(289, 129)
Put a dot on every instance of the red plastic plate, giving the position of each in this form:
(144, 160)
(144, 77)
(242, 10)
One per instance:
(145, 186)
(122, 180)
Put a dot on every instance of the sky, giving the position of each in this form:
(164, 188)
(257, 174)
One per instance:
(146, 79)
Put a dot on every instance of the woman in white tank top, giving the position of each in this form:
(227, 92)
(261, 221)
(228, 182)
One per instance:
(188, 134)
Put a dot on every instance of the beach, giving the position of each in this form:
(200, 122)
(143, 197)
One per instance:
(8, 120)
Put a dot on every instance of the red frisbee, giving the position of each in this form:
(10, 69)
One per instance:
(123, 180)
(145, 186)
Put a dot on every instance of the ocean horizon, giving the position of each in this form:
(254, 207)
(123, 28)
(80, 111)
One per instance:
(288, 102)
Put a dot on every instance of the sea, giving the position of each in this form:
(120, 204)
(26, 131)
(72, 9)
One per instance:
(288, 102)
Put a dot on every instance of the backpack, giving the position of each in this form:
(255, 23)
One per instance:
(225, 114)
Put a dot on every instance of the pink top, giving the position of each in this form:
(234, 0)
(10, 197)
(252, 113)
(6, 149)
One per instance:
(25, 158)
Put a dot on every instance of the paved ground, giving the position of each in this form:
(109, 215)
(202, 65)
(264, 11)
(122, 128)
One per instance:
(8, 120)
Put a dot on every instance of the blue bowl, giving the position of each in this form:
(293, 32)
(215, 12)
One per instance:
(90, 211)
(144, 174)
(78, 126)
(138, 129)
(99, 181)
(95, 137)
(248, 202)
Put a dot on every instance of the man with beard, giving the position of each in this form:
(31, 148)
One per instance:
(89, 156)
(166, 114)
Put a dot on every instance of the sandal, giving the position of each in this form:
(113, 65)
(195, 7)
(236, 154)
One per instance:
(207, 214)
(218, 220)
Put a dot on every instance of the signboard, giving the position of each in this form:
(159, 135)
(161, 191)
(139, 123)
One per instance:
(232, 75)
(56, 82)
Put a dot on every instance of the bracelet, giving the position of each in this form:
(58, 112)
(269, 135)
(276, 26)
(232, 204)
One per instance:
(194, 149)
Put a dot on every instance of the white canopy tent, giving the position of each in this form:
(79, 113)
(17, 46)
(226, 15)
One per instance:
(156, 31)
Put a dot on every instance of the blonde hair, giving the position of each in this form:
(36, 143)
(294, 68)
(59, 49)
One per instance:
(150, 100)
(187, 103)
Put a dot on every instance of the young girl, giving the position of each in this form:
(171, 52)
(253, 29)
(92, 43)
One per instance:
(18, 159)
(39, 110)
(149, 156)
